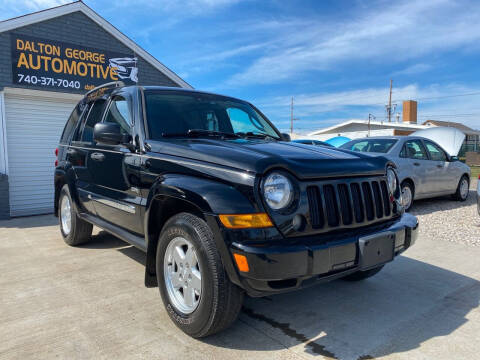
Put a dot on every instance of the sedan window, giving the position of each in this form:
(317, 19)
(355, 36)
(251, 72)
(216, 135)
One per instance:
(370, 145)
(413, 149)
(436, 153)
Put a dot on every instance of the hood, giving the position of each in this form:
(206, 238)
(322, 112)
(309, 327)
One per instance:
(449, 138)
(259, 156)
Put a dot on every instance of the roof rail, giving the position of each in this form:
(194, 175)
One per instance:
(113, 84)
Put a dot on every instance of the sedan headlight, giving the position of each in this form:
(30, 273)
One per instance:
(278, 191)
(392, 180)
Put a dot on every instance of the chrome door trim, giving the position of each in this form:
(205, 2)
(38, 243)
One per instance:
(117, 205)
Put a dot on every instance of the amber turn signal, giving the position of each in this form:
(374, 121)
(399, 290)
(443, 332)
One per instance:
(242, 263)
(245, 221)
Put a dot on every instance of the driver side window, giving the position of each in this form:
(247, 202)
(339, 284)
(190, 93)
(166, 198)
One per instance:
(119, 113)
(436, 153)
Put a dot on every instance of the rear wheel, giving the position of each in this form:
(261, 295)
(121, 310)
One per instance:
(196, 291)
(75, 231)
(407, 195)
(462, 189)
(362, 275)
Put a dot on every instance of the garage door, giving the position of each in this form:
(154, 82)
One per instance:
(34, 126)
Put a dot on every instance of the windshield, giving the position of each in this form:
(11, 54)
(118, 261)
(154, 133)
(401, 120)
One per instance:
(171, 114)
(370, 145)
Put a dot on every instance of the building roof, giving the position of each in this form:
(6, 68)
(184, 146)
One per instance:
(61, 10)
(463, 128)
(373, 125)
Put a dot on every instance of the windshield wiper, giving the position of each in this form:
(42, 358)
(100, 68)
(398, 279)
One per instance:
(202, 132)
(256, 135)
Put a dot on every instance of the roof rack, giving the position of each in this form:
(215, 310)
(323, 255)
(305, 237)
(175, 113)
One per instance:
(113, 84)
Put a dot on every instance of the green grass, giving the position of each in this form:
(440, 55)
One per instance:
(475, 171)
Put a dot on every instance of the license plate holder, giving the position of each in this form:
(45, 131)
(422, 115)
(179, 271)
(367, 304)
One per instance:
(376, 250)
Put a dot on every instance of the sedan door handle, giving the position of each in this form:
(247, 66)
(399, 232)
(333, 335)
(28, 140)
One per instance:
(416, 164)
(97, 156)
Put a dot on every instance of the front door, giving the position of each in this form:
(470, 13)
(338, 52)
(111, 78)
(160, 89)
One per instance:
(114, 172)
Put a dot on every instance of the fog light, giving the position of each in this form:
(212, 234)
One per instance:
(298, 222)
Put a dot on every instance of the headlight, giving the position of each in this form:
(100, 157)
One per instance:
(278, 191)
(392, 180)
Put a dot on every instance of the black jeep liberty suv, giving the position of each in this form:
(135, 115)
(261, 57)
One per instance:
(220, 201)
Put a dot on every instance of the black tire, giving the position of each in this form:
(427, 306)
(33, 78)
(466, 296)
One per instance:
(407, 184)
(220, 301)
(458, 195)
(362, 275)
(80, 230)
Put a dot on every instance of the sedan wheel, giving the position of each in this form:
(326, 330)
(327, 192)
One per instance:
(183, 278)
(464, 188)
(407, 196)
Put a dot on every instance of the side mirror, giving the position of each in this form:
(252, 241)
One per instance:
(453, 158)
(286, 137)
(110, 134)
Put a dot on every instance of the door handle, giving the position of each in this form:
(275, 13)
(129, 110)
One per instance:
(416, 164)
(148, 163)
(97, 156)
(71, 151)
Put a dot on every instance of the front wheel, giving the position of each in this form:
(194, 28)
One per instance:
(462, 189)
(407, 195)
(196, 291)
(362, 275)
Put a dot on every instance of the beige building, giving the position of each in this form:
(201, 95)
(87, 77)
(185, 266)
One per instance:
(357, 128)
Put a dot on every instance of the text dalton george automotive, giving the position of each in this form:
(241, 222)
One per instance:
(48, 63)
(90, 62)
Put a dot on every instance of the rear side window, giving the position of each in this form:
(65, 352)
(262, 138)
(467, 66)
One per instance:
(72, 124)
(94, 116)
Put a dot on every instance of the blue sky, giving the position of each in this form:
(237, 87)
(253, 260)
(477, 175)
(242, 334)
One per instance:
(334, 57)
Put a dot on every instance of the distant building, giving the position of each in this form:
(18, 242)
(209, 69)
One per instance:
(356, 128)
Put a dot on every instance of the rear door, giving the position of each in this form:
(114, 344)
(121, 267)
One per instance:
(444, 179)
(78, 153)
(114, 172)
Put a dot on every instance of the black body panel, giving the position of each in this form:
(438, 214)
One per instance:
(130, 189)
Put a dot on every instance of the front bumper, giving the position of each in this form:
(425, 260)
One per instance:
(280, 268)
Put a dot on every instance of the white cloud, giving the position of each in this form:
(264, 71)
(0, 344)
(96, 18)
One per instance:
(325, 109)
(413, 69)
(12, 8)
(400, 32)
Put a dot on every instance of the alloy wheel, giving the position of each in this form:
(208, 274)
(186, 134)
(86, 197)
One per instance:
(66, 215)
(464, 188)
(406, 197)
(183, 278)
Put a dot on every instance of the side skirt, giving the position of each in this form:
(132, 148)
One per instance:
(137, 241)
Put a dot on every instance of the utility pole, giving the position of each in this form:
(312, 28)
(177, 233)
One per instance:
(370, 117)
(292, 119)
(389, 109)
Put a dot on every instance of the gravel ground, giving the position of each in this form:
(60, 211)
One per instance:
(448, 220)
